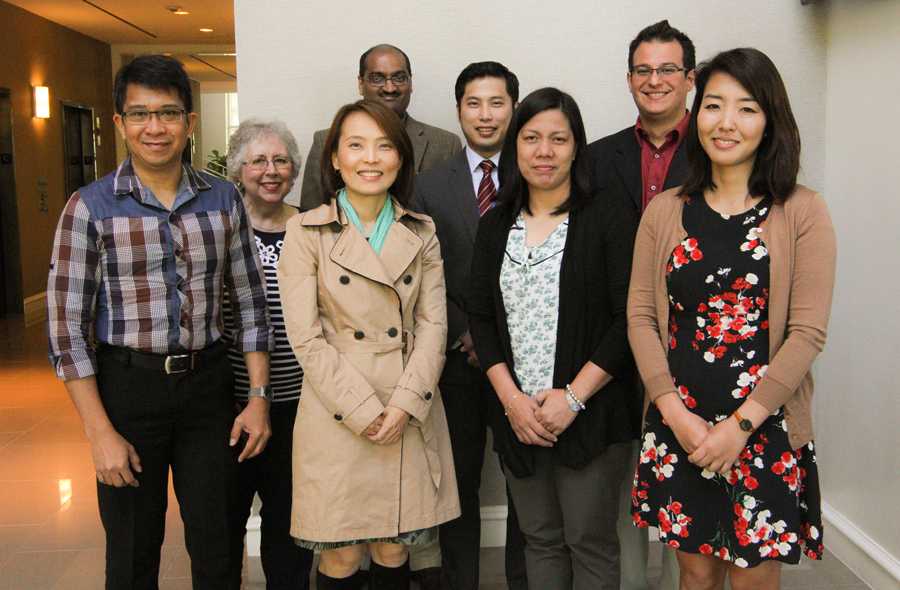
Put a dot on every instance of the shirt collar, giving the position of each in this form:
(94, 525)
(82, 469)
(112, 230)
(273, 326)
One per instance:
(475, 159)
(675, 135)
(126, 181)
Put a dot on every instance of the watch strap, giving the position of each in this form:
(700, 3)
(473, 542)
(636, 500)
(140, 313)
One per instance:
(265, 392)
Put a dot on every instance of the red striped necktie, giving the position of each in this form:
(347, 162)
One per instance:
(486, 189)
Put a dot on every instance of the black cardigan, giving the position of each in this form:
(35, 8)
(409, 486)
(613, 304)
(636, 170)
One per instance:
(591, 327)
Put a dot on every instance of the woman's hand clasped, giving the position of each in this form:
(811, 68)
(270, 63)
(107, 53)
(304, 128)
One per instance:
(554, 413)
(721, 448)
(388, 427)
(521, 412)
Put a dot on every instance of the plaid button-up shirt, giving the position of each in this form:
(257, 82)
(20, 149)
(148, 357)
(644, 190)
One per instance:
(126, 271)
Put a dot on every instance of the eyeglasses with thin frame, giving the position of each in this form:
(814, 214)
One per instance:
(663, 71)
(168, 116)
(378, 79)
(261, 163)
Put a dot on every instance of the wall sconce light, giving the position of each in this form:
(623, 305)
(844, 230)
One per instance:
(41, 102)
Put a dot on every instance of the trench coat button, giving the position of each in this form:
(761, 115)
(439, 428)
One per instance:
(344, 279)
(407, 279)
(338, 417)
(392, 332)
(359, 335)
(427, 395)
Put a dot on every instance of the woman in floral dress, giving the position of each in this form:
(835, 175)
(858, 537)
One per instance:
(729, 302)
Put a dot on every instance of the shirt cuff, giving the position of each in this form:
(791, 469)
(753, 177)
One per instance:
(75, 364)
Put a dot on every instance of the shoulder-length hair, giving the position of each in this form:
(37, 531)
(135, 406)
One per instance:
(778, 155)
(393, 129)
(513, 188)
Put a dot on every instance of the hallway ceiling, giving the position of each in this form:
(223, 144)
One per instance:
(100, 19)
(152, 23)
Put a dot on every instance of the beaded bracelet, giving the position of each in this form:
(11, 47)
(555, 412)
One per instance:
(571, 393)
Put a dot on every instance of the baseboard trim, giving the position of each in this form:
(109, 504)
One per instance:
(493, 525)
(253, 538)
(35, 309)
(871, 562)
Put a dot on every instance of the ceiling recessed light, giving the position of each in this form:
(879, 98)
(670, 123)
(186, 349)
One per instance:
(206, 30)
(177, 10)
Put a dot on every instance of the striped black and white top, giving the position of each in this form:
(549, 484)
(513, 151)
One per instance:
(285, 373)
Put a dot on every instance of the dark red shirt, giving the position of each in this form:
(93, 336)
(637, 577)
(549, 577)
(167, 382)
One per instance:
(655, 161)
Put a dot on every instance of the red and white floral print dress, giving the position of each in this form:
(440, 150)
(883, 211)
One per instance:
(768, 507)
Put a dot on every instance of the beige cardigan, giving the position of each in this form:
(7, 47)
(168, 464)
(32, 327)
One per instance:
(801, 243)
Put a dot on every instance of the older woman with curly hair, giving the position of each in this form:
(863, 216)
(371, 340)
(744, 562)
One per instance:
(263, 161)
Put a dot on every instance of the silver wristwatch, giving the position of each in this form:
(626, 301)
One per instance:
(265, 392)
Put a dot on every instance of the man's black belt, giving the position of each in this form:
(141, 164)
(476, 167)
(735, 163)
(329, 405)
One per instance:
(170, 364)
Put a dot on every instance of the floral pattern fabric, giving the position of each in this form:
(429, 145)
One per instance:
(529, 283)
(768, 506)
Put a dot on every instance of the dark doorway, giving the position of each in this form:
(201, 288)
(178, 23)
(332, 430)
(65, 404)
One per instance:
(10, 262)
(81, 160)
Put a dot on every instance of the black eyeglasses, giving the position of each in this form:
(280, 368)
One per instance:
(142, 117)
(663, 71)
(397, 79)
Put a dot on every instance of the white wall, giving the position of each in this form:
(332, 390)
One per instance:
(298, 61)
(214, 124)
(858, 396)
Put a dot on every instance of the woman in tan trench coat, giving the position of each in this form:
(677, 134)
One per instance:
(362, 288)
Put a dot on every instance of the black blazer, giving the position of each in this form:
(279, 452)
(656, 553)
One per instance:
(445, 193)
(616, 164)
(591, 327)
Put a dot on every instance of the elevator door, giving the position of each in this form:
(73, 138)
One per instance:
(10, 277)
(78, 129)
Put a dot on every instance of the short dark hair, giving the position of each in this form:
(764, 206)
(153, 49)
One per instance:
(159, 72)
(663, 31)
(380, 47)
(393, 128)
(513, 188)
(778, 155)
(487, 69)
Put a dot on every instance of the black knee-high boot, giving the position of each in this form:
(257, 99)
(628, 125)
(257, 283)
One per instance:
(389, 578)
(354, 582)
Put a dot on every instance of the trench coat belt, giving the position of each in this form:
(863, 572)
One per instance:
(349, 343)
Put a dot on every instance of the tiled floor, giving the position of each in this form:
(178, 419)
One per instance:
(50, 533)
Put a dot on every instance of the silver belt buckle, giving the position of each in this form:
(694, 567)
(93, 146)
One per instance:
(167, 365)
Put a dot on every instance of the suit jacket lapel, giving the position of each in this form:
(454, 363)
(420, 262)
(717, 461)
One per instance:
(463, 194)
(628, 166)
(419, 142)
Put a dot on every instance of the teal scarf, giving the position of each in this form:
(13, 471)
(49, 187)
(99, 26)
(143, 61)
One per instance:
(382, 223)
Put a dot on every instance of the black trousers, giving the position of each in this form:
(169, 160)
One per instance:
(464, 390)
(180, 422)
(285, 565)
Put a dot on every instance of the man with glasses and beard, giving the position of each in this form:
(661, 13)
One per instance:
(385, 75)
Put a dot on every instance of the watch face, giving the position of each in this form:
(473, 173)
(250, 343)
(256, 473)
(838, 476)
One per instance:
(746, 425)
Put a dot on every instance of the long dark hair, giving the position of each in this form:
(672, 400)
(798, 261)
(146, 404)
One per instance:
(393, 128)
(513, 188)
(778, 155)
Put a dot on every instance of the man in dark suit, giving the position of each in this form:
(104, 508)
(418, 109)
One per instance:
(385, 75)
(644, 160)
(455, 194)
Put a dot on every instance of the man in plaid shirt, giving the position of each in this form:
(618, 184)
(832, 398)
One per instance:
(139, 264)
